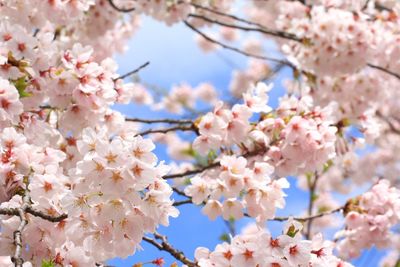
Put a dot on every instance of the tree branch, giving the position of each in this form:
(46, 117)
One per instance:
(278, 34)
(17, 258)
(237, 50)
(183, 202)
(303, 219)
(389, 121)
(279, 219)
(133, 71)
(171, 129)
(119, 9)
(149, 121)
(210, 166)
(46, 217)
(36, 213)
(191, 172)
(313, 187)
(228, 15)
(384, 70)
(165, 246)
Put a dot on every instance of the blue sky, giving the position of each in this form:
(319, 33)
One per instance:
(174, 57)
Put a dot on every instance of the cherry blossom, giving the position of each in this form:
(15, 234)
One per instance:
(371, 215)
(256, 246)
(82, 183)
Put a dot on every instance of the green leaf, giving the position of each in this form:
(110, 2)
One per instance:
(21, 85)
(189, 152)
(292, 231)
(323, 209)
(47, 263)
(224, 237)
(212, 155)
(187, 181)
(327, 165)
(309, 177)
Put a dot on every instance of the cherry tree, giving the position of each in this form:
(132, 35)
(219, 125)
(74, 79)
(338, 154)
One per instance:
(81, 183)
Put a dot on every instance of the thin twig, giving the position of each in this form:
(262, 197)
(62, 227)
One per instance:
(228, 15)
(384, 70)
(381, 7)
(392, 125)
(17, 258)
(210, 166)
(46, 217)
(237, 50)
(302, 219)
(9, 211)
(230, 224)
(165, 246)
(30, 210)
(133, 71)
(149, 121)
(119, 9)
(279, 34)
(180, 192)
(278, 219)
(365, 5)
(313, 187)
(171, 129)
(191, 172)
(183, 202)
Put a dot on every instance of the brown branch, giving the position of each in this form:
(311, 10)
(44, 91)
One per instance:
(119, 9)
(180, 192)
(237, 50)
(381, 7)
(212, 165)
(9, 211)
(46, 217)
(365, 5)
(228, 15)
(183, 202)
(165, 246)
(279, 219)
(191, 172)
(313, 187)
(278, 34)
(303, 219)
(17, 258)
(21, 212)
(384, 70)
(133, 71)
(149, 121)
(171, 129)
(36, 213)
(392, 125)
(270, 75)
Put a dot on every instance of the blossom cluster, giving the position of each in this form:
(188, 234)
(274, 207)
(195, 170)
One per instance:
(183, 97)
(340, 42)
(241, 187)
(226, 127)
(112, 197)
(370, 219)
(257, 247)
(297, 140)
(67, 156)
